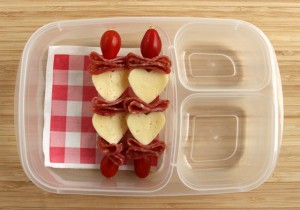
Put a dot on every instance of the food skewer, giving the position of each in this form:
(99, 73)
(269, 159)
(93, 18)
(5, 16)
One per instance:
(117, 110)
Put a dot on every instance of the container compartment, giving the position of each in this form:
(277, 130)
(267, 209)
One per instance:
(86, 33)
(225, 140)
(221, 56)
(219, 134)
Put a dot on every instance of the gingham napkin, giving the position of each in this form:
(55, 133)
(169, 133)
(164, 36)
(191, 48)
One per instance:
(69, 138)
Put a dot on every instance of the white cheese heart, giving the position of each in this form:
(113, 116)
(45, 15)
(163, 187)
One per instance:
(145, 127)
(110, 85)
(147, 85)
(110, 128)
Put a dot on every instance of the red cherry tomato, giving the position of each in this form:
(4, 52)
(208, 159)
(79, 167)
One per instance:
(142, 167)
(151, 44)
(108, 168)
(110, 44)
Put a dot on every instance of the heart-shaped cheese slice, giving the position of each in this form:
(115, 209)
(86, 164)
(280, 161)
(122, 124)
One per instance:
(110, 85)
(145, 127)
(147, 85)
(110, 128)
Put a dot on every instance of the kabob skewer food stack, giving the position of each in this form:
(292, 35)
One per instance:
(128, 113)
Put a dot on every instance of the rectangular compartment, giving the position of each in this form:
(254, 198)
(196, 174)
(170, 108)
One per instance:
(224, 122)
(33, 78)
(226, 140)
(221, 56)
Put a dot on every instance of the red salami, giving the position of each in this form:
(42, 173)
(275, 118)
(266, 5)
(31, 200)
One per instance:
(99, 64)
(136, 150)
(135, 105)
(126, 103)
(113, 151)
(102, 107)
(159, 63)
(108, 108)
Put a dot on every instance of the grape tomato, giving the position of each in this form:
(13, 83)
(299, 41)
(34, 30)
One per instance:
(142, 167)
(151, 44)
(110, 44)
(108, 168)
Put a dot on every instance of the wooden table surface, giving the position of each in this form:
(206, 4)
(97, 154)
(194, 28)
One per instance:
(279, 19)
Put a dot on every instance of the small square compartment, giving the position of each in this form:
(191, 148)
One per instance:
(218, 56)
(224, 140)
(218, 143)
(215, 135)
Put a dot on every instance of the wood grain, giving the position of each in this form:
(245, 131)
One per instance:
(279, 19)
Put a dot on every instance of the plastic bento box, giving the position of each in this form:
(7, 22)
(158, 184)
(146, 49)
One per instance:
(224, 125)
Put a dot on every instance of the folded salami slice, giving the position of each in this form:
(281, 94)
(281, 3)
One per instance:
(135, 105)
(99, 64)
(160, 63)
(136, 150)
(113, 151)
(108, 108)
(102, 107)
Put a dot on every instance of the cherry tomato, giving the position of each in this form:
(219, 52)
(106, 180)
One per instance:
(110, 44)
(151, 44)
(142, 166)
(108, 168)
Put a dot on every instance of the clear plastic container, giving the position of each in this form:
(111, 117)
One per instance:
(223, 127)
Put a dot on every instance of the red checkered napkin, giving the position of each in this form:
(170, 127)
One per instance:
(69, 138)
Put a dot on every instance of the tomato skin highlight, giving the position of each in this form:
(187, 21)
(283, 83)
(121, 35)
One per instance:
(110, 44)
(142, 167)
(151, 44)
(108, 168)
